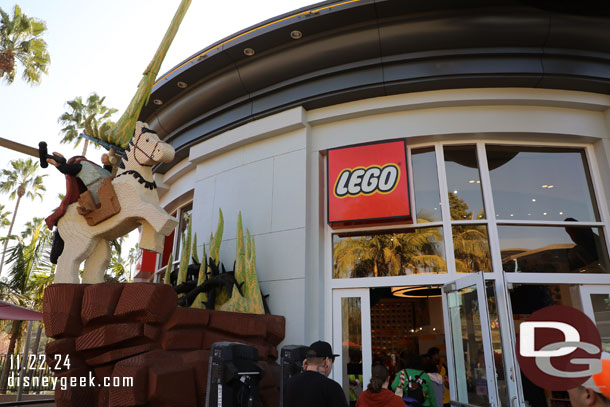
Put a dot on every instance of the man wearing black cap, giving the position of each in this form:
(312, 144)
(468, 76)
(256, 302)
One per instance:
(312, 387)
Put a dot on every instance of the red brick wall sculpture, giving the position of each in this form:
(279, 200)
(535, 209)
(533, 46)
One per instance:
(137, 330)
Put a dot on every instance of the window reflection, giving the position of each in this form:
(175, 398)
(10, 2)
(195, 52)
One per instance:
(425, 185)
(553, 249)
(496, 341)
(184, 216)
(525, 299)
(351, 347)
(468, 351)
(601, 309)
(415, 251)
(463, 182)
(540, 183)
(471, 248)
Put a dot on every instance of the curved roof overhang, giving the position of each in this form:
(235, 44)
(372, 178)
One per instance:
(358, 49)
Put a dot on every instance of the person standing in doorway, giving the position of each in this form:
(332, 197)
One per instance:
(413, 384)
(312, 387)
(434, 354)
(377, 393)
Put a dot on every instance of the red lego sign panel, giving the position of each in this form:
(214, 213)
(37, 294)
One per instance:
(368, 182)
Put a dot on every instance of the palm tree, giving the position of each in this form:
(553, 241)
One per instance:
(30, 273)
(21, 180)
(4, 221)
(30, 227)
(118, 272)
(21, 39)
(133, 257)
(470, 242)
(390, 254)
(86, 118)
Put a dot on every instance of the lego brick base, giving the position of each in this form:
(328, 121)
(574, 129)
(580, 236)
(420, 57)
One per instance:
(136, 330)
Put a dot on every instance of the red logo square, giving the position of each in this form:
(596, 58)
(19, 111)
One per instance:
(368, 182)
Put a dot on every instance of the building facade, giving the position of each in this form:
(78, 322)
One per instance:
(502, 112)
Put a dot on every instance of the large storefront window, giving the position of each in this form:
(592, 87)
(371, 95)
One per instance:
(463, 183)
(546, 184)
(553, 249)
(471, 248)
(546, 216)
(492, 221)
(425, 185)
(413, 251)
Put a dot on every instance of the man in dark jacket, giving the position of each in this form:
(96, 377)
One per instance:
(312, 387)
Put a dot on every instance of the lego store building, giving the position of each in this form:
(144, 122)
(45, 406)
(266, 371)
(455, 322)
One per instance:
(414, 174)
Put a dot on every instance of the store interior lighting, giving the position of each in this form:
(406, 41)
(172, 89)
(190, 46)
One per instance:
(416, 291)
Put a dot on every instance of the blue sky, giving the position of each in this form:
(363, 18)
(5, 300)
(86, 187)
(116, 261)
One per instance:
(103, 47)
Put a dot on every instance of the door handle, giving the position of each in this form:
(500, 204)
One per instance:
(512, 374)
(512, 401)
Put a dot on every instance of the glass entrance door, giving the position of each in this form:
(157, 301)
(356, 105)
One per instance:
(470, 357)
(352, 340)
(596, 304)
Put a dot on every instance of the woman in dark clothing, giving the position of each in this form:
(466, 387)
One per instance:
(377, 393)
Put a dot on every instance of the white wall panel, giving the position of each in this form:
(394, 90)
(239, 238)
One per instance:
(280, 255)
(246, 189)
(204, 216)
(286, 298)
(289, 190)
(471, 120)
(219, 164)
(274, 146)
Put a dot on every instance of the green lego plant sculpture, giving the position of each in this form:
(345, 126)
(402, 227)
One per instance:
(194, 249)
(222, 295)
(216, 239)
(245, 294)
(168, 269)
(245, 271)
(186, 253)
(203, 272)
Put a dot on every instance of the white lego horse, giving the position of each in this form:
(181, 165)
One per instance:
(137, 195)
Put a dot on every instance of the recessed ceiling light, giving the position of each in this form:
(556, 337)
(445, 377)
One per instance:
(561, 213)
(544, 213)
(455, 192)
(182, 85)
(249, 51)
(545, 186)
(157, 102)
(551, 186)
(533, 199)
(296, 34)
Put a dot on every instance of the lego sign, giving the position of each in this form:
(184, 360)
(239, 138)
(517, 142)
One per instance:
(368, 183)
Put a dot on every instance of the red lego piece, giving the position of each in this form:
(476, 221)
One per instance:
(99, 302)
(147, 302)
(62, 308)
